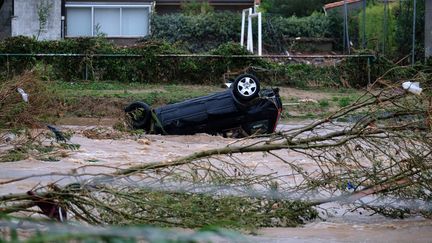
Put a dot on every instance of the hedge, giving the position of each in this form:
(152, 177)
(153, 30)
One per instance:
(198, 33)
(152, 68)
(149, 68)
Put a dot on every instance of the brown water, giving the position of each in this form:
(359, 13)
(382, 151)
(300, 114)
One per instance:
(339, 226)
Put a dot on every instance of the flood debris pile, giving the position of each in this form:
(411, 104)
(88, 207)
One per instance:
(39, 144)
(201, 193)
(26, 101)
(380, 160)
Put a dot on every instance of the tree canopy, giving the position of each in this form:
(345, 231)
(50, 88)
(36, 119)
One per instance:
(288, 8)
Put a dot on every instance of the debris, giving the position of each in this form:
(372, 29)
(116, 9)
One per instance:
(412, 87)
(23, 94)
(143, 141)
(308, 100)
(49, 207)
(103, 133)
(58, 134)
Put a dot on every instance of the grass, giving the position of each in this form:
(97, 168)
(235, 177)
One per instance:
(152, 94)
(107, 99)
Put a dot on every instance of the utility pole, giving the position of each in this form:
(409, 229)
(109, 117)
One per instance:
(428, 28)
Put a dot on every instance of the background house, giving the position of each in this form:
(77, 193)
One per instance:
(339, 6)
(115, 19)
(5, 18)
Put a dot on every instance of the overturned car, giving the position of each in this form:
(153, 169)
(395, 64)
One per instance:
(241, 110)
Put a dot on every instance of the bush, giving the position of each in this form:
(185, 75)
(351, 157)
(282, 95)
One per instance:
(148, 68)
(403, 31)
(304, 75)
(316, 25)
(152, 68)
(289, 8)
(200, 33)
(197, 32)
(375, 29)
(18, 45)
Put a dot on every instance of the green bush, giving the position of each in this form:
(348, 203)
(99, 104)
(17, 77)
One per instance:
(198, 33)
(289, 8)
(403, 31)
(375, 28)
(149, 67)
(316, 25)
(152, 68)
(304, 75)
(18, 45)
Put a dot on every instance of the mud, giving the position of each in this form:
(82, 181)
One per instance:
(99, 155)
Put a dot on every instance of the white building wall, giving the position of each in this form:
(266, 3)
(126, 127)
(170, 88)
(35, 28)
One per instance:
(26, 19)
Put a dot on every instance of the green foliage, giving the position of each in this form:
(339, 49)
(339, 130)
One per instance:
(303, 75)
(324, 103)
(205, 32)
(193, 7)
(344, 101)
(336, 29)
(198, 32)
(375, 31)
(149, 68)
(316, 25)
(195, 210)
(403, 31)
(17, 45)
(289, 8)
(356, 70)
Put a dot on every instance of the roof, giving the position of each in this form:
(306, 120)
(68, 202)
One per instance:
(340, 3)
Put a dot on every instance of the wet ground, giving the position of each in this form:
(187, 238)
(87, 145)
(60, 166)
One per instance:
(111, 151)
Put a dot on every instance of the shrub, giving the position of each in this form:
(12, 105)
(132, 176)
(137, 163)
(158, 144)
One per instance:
(316, 25)
(198, 33)
(403, 30)
(152, 68)
(375, 28)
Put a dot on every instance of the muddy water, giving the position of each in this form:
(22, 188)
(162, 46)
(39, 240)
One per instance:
(97, 155)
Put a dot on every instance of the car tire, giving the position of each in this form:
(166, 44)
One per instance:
(141, 120)
(246, 87)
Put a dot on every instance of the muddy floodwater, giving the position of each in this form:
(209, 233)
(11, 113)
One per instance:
(335, 225)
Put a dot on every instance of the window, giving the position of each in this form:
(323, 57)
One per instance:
(110, 20)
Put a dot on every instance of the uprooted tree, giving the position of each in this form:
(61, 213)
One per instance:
(374, 154)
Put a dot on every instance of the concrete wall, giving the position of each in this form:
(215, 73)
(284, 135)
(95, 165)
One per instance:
(5, 19)
(26, 20)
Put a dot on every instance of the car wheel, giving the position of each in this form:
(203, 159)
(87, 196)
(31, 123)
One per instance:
(246, 87)
(138, 114)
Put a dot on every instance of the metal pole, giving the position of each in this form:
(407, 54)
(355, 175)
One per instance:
(364, 25)
(384, 27)
(346, 26)
(250, 36)
(242, 28)
(413, 33)
(259, 34)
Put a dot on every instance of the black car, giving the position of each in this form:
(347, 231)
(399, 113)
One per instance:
(243, 109)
